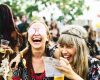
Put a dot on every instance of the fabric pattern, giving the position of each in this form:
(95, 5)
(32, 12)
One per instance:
(94, 69)
(94, 72)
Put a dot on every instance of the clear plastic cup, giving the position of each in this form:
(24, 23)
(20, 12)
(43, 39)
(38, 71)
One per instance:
(4, 42)
(50, 69)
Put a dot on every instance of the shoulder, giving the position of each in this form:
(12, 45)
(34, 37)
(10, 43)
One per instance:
(93, 61)
(94, 68)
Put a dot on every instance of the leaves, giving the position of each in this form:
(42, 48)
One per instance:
(72, 8)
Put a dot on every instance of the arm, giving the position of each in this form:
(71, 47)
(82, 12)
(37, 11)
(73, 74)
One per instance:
(67, 70)
(18, 57)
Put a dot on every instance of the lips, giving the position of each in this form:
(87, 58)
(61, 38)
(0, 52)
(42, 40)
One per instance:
(37, 39)
(67, 57)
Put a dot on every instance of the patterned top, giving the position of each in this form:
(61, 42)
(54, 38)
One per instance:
(94, 69)
(22, 74)
(17, 75)
(94, 72)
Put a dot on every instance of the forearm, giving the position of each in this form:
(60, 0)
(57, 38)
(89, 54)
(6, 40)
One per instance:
(77, 77)
(74, 76)
(23, 52)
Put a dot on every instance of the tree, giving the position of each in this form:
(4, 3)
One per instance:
(70, 8)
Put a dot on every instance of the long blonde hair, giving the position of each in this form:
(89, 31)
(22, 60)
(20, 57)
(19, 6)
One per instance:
(75, 35)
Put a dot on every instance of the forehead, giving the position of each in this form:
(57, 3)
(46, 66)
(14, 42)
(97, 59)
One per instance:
(38, 26)
(66, 40)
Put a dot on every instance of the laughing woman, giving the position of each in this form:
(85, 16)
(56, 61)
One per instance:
(76, 63)
(34, 68)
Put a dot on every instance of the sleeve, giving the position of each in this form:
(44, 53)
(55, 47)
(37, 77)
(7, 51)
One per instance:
(16, 75)
(94, 69)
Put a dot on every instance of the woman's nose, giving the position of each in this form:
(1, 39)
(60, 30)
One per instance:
(36, 32)
(64, 49)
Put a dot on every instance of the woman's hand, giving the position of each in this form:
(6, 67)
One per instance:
(17, 59)
(14, 63)
(6, 49)
(67, 70)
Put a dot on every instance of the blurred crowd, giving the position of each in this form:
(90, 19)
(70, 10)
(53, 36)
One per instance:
(23, 45)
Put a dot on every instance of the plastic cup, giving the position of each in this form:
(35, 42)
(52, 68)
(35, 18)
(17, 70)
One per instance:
(59, 77)
(4, 42)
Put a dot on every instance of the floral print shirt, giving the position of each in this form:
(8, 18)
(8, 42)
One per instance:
(94, 69)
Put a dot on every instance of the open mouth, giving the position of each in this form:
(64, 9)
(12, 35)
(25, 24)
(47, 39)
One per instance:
(67, 57)
(37, 39)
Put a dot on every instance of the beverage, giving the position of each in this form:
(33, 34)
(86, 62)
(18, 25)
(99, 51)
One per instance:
(50, 69)
(59, 77)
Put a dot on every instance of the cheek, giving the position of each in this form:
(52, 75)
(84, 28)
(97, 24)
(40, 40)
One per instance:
(29, 38)
(73, 52)
(45, 38)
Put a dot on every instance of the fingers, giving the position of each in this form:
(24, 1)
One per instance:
(10, 64)
(65, 60)
(16, 65)
(61, 68)
(5, 47)
(64, 65)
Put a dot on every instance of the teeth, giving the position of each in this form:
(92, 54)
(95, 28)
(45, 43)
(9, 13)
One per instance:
(66, 56)
(36, 40)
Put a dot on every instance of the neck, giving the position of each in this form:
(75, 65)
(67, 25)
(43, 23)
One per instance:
(38, 53)
(37, 59)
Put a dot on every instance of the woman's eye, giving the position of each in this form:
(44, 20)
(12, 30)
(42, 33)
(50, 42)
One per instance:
(61, 45)
(69, 46)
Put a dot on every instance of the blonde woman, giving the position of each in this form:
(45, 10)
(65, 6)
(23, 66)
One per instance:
(76, 63)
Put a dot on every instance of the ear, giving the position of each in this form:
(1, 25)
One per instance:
(47, 41)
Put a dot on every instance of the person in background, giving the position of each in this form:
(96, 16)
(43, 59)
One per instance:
(54, 31)
(8, 32)
(75, 62)
(22, 27)
(91, 42)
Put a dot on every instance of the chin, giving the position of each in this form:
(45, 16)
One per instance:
(70, 61)
(36, 46)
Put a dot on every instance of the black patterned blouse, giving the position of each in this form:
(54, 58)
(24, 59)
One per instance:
(94, 69)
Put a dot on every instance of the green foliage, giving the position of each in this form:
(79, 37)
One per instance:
(14, 6)
(30, 9)
(72, 8)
